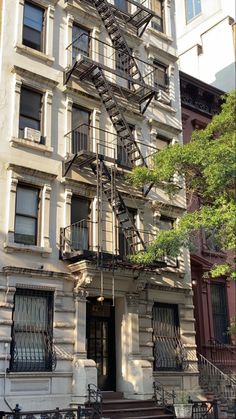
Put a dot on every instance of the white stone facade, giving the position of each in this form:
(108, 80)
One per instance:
(38, 165)
(206, 43)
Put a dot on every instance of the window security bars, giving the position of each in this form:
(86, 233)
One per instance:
(32, 346)
(169, 353)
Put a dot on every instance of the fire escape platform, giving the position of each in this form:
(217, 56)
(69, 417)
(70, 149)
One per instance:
(83, 158)
(141, 16)
(83, 69)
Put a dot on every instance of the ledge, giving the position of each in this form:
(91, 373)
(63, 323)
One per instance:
(18, 247)
(20, 142)
(23, 49)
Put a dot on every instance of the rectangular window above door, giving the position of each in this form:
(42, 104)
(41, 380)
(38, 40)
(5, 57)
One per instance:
(33, 26)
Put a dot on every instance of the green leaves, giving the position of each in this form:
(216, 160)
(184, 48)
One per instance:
(208, 165)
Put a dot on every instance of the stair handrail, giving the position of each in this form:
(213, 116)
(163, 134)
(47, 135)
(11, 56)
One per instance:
(164, 395)
(95, 399)
(216, 371)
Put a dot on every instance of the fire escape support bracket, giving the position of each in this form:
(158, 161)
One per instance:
(66, 165)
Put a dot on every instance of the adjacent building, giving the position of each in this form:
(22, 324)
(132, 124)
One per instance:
(206, 38)
(89, 89)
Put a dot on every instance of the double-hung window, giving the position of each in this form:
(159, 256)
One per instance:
(31, 347)
(158, 21)
(80, 41)
(160, 76)
(26, 216)
(30, 113)
(192, 8)
(33, 26)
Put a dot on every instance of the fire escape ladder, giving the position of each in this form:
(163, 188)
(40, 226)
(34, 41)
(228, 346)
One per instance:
(114, 31)
(117, 117)
(117, 203)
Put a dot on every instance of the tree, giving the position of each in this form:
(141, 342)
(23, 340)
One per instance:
(207, 163)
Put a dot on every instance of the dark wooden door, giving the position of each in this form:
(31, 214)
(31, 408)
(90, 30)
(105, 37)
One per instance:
(101, 341)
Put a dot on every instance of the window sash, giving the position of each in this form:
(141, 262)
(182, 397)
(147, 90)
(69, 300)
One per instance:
(26, 215)
(30, 110)
(192, 8)
(31, 348)
(160, 75)
(158, 22)
(33, 26)
(81, 43)
(219, 312)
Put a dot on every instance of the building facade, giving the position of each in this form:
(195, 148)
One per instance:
(214, 298)
(206, 41)
(88, 90)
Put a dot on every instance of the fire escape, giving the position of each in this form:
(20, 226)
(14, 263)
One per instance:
(138, 89)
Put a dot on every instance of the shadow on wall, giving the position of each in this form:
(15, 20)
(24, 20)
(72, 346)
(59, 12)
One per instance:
(225, 78)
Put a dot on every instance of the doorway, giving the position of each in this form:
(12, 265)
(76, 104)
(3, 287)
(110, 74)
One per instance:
(101, 341)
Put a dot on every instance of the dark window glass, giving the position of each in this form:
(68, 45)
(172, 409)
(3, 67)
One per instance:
(80, 129)
(80, 224)
(166, 223)
(30, 110)
(219, 312)
(124, 248)
(160, 76)
(168, 351)
(26, 218)
(80, 39)
(193, 9)
(162, 142)
(158, 22)
(31, 348)
(123, 158)
(33, 26)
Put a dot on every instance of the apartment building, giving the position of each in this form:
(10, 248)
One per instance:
(89, 89)
(206, 38)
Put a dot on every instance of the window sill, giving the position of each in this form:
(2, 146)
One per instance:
(161, 35)
(18, 247)
(23, 49)
(21, 142)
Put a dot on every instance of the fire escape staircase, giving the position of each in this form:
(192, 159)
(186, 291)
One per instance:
(94, 72)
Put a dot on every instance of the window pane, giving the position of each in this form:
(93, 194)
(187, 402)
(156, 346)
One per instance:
(197, 7)
(29, 123)
(31, 38)
(33, 17)
(30, 103)
(27, 201)
(25, 230)
(121, 5)
(165, 223)
(81, 38)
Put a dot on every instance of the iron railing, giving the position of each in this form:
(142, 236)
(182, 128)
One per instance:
(163, 397)
(169, 353)
(222, 354)
(95, 400)
(205, 409)
(81, 412)
(214, 380)
(115, 65)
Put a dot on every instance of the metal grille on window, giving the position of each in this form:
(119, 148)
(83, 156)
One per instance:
(169, 353)
(32, 346)
(219, 312)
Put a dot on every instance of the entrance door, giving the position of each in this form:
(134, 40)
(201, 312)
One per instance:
(101, 341)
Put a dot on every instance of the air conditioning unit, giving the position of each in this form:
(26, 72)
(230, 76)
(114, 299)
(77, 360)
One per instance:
(163, 97)
(32, 134)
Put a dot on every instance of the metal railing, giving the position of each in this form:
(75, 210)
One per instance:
(115, 64)
(163, 397)
(202, 409)
(222, 354)
(169, 354)
(214, 380)
(80, 413)
(95, 399)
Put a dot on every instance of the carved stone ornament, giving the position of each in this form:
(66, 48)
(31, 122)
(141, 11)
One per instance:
(81, 294)
(132, 300)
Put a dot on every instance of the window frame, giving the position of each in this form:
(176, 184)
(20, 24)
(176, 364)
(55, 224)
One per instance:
(41, 113)
(36, 218)
(49, 360)
(195, 15)
(215, 326)
(88, 32)
(158, 27)
(43, 31)
(164, 69)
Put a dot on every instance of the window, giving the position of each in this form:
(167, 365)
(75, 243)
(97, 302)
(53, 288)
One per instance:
(33, 26)
(192, 8)
(80, 129)
(121, 5)
(80, 39)
(31, 347)
(219, 312)
(80, 223)
(211, 241)
(161, 142)
(158, 22)
(166, 223)
(168, 350)
(26, 217)
(161, 80)
(122, 153)
(124, 248)
(30, 111)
